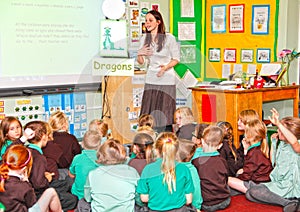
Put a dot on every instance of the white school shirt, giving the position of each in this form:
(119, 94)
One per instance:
(169, 51)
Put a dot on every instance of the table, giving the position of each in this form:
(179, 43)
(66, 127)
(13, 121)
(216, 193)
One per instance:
(212, 105)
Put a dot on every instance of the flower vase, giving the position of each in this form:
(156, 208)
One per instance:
(284, 81)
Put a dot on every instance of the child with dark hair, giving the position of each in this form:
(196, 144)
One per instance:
(16, 193)
(40, 178)
(197, 139)
(143, 148)
(233, 156)
(212, 171)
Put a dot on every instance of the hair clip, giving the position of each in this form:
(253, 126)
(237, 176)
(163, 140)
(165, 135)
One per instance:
(169, 140)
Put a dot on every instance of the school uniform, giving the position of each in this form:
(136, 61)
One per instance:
(185, 131)
(233, 164)
(160, 198)
(52, 152)
(257, 167)
(138, 164)
(81, 165)
(285, 177)
(69, 145)
(213, 174)
(111, 188)
(18, 196)
(39, 167)
(197, 196)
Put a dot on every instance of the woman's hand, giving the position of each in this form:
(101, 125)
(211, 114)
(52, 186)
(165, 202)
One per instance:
(275, 117)
(162, 70)
(145, 51)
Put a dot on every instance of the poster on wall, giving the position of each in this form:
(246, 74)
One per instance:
(218, 18)
(263, 55)
(113, 38)
(230, 55)
(246, 55)
(188, 53)
(186, 31)
(260, 19)
(214, 54)
(236, 17)
(134, 17)
(187, 8)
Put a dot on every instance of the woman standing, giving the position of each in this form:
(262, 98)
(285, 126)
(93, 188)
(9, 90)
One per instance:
(161, 53)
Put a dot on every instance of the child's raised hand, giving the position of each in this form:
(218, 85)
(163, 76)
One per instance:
(275, 117)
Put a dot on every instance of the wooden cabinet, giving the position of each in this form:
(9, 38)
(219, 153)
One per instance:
(214, 105)
(119, 106)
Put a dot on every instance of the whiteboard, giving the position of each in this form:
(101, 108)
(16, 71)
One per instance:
(48, 42)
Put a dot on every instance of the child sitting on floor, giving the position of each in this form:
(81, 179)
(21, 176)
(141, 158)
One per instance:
(213, 172)
(83, 163)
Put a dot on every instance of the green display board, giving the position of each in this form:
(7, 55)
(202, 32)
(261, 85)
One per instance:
(187, 28)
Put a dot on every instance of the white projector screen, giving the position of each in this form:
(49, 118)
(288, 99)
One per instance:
(48, 42)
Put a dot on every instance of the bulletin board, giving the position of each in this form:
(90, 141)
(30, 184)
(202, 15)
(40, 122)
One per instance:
(239, 32)
(186, 18)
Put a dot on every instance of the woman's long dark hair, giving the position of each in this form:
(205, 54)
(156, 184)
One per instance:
(161, 31)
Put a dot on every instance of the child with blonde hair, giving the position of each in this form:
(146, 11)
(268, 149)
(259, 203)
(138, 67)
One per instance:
(102, 128)
(213, 172)
(146, 120)
(166, 184)
(111, 186)
(284, 187)
(83, 163)
(233, 156)
(16, 193)
(184, 123)
(69, 144)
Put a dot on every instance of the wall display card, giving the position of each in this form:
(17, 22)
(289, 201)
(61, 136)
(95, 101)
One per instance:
(251, 69)
(134, 36)
(145, 7)
(214, 54)
(186, 31)
(236, 17)
(218, 18)
(247, 55)
(187, 8)
(134, 16)
(188, 53)
(155, 7)
(237, 68)
(229, 55)
(226, 70)
(260, 19)
(133, 3)
(263, 55)
(113, 38)
(80, 114)
(137, 94)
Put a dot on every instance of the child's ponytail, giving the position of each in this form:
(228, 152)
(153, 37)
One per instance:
(3, 176)
(167, 146)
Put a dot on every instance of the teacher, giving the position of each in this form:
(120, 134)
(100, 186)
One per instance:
(160, 51)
